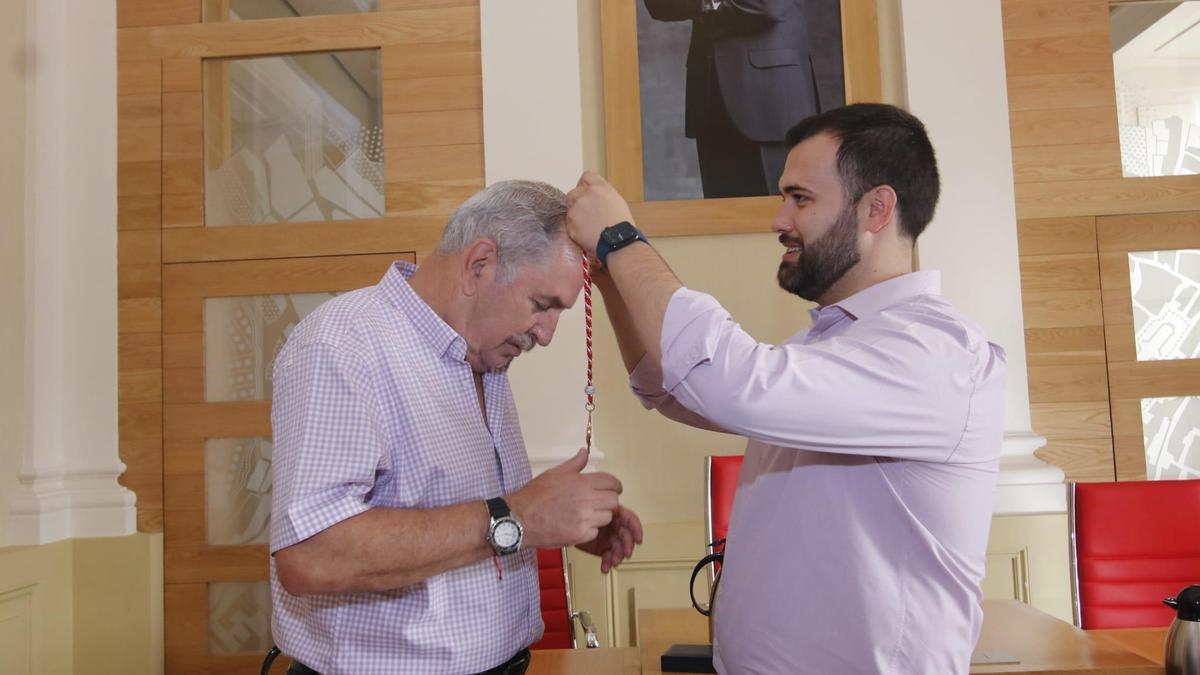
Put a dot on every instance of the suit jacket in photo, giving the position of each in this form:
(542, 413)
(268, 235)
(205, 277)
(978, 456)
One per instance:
(756, 53)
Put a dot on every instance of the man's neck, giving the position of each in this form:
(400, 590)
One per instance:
(863, 276)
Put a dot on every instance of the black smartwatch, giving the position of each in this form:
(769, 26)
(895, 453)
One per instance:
(617, 237)
(505, 532)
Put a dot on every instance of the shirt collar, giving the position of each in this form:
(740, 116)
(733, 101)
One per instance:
(395, 287)
(884, 294)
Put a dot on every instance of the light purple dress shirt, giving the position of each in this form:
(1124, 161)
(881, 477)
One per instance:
(858, 535)
(374, 405)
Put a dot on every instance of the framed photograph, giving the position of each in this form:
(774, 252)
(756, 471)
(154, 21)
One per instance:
(700, 93)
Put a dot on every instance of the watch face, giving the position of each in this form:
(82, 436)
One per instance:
(507, 534)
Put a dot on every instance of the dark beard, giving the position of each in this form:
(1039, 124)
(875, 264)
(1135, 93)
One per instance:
(823, 262)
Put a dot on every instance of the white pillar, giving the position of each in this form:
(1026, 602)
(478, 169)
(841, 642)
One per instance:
(69, 463)
(532, 128)
(954, 68)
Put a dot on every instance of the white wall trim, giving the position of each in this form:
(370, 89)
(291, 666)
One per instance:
(69, 461)
(973, 238)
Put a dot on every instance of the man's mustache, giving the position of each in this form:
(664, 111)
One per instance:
(524, 341)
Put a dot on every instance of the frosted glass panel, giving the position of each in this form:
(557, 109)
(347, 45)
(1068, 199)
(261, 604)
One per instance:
(243, 10)
(1156, 63)
(237, 482)
(293, 138)
(1171, 427)
(239, 618)
(242, 336)
(1166, 304)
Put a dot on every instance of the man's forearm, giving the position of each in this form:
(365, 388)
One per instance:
(632, 349)
(383, 549)
(645, 284)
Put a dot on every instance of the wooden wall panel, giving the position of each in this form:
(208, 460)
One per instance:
(139, 276)
(433, 119)
(1064, 343)
(1075, 236)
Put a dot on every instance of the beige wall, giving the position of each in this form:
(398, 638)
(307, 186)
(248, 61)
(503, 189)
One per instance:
(82, 606)
(12, 250)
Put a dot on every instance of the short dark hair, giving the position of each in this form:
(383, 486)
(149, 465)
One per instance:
(881, 144)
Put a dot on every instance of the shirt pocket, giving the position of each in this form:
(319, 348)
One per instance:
(773, 58)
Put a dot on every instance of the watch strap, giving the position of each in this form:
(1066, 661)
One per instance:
(498, 508)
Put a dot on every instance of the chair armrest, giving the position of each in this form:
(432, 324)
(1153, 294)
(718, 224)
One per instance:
(589, 628)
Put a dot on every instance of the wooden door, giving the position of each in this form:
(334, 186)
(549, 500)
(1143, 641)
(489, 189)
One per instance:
(266, 162)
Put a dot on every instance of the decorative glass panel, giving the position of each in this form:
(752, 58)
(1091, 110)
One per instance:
(1156, 62)
(242, 336)
(1166, 304)
(293, 138)
(237, 480)
(239, 618)
(243, 10)
(1171, 427)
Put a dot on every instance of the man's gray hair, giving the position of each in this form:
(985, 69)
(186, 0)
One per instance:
(524, 218)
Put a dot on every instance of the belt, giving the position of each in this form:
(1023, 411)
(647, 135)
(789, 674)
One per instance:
(514, 666)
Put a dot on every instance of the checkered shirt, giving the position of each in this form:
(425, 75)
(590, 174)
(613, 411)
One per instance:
(375, 405)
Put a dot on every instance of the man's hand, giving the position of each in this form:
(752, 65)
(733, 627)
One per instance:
(592, 206)
(616, 540)
(563, 507)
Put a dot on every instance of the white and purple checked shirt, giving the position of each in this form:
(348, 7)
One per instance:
(374, 405)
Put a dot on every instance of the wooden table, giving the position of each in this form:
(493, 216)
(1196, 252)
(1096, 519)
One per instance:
(624, 661)
(1148, 642)
(1040, 642)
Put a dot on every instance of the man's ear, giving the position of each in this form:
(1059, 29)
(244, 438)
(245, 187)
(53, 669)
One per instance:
(479, 264)
(881, 204)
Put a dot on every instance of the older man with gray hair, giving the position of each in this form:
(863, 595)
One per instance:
(405, 518)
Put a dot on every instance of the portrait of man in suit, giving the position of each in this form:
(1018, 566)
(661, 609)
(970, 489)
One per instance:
(714, 113)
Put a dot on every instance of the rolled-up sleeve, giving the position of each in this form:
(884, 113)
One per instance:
(901, 390)
(328, 442)
(646, 381)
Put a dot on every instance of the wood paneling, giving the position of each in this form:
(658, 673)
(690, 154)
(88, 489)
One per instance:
(1026, 19)
(1064, 128)
(432, 111)
(1060, 272)
(301, 239)
(303, 34)
(1069, 53)
(156, 12)
(1034, 164)
(1060, 91)
(1075, 238)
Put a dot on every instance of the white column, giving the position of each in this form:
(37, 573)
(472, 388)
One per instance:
(954, 68)
(69, 463)
(532, 129)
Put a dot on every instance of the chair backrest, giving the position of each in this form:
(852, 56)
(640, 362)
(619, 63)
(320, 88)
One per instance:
(556, 600)
(721, 479)
(1132, 544)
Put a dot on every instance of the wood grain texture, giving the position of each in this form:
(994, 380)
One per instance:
(1042, 128)
(1060, 272)
(1034, 164)
(1026, 19)
(302, 34)
(1056, 236)
(195, 244)
(156, 12)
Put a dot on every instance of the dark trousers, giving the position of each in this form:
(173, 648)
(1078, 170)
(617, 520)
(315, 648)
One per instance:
(517, 665)
(732, 165)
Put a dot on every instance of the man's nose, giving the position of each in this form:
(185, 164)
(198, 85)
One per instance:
(782, 224)
(543, 330)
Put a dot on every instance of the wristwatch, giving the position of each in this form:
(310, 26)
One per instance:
(505, 532)
(617, 237)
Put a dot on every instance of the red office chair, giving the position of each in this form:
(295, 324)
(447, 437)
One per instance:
(1132, 544)
(721, 474)
(557, 611)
